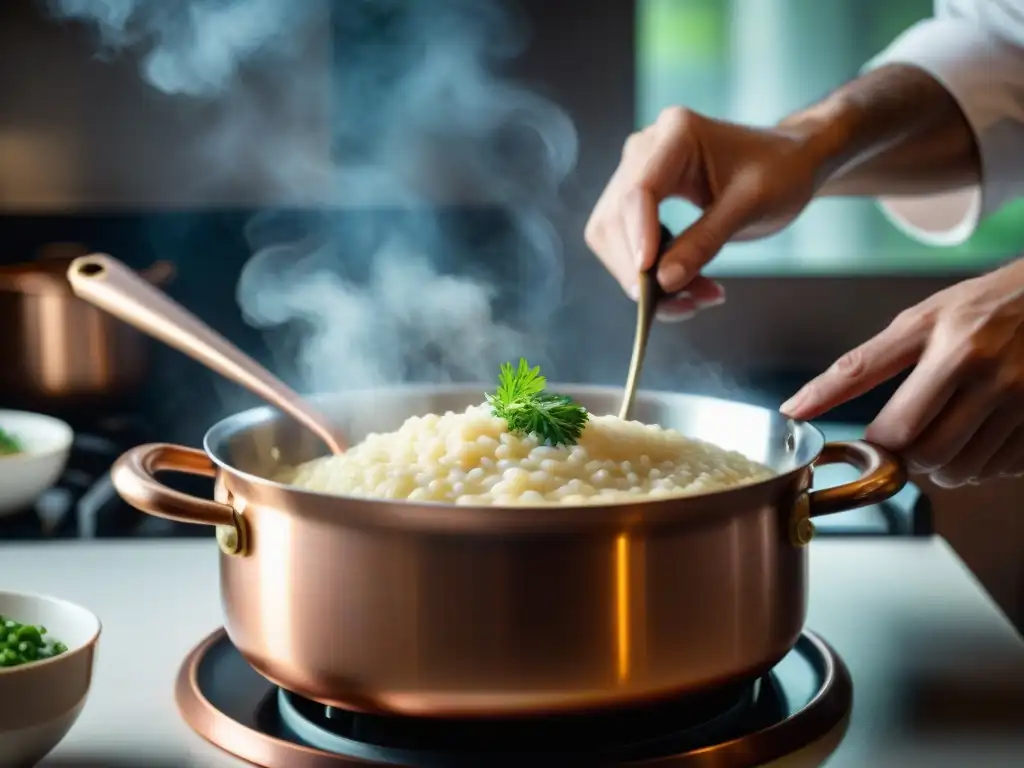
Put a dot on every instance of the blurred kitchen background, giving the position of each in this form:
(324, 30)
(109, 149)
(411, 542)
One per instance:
(95, 158)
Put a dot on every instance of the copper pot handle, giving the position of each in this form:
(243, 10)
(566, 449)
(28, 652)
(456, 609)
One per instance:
(134, 477)
(882, 476)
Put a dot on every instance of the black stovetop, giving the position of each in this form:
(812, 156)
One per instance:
(83, 503)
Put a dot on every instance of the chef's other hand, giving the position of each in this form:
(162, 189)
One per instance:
(959, 416)
(749, 182)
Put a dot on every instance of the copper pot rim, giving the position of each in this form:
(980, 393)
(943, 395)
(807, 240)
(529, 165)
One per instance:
(446, 517)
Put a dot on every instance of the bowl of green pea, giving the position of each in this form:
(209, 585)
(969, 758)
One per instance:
(47, 650)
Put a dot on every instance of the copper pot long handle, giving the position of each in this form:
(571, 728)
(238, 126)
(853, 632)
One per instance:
(882, 477)
(134, 478)
(110, 285)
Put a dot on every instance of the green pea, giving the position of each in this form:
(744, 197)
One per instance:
(28, 633)
(25, 643)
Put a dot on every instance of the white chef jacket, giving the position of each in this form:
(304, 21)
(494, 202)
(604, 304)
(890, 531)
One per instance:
(975, 48)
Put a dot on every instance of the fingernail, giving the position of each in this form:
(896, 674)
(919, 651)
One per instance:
(715, 302)
(794, 403)
(638, 258)
(633, 292)
(945, 481)
(679, 295)
(672, 276)
(674, 317)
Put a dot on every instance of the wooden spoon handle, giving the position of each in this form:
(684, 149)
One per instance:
(651, 294)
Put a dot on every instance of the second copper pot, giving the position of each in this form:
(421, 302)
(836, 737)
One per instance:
(60, 351)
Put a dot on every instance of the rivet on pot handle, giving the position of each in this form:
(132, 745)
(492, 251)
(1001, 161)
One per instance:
(134, 477)
(882, 477)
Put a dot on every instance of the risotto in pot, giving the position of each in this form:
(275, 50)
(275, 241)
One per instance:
(473, 458)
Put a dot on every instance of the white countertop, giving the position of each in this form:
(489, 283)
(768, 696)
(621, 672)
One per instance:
(938, 670)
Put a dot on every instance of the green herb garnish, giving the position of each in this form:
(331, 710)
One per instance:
(9, 446)
(25, 643)
(527, 409)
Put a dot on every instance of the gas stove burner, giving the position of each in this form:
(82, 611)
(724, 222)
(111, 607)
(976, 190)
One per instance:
(797, 711)
(605, 739)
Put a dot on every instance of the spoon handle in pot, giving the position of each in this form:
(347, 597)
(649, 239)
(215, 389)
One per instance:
(651, 294)
(110, 285)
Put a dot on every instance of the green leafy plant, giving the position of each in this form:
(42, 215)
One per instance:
(527, 409)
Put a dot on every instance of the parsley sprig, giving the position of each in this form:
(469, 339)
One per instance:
(527, 409)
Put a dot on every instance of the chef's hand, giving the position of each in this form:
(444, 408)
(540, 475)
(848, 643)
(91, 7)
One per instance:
(750, 182)
(959, 416)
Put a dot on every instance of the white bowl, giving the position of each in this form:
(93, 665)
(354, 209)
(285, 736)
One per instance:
(40, 701)
(25, 476)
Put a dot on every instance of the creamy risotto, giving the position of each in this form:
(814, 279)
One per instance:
(471, 458)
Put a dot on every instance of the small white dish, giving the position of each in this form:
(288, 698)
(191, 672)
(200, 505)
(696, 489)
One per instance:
(46, 444)
(40, 701)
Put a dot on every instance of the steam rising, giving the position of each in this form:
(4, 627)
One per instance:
(385, 283)
(194, 47)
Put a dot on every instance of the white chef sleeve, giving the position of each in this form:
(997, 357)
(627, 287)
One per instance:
(976, 51)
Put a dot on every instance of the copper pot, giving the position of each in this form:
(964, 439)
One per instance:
(444, 610)
(59, 350)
